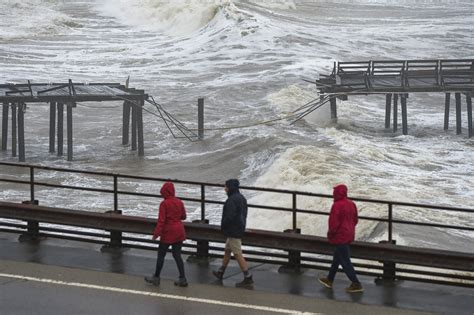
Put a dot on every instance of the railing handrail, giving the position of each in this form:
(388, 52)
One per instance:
(114, 177)
(198, 183)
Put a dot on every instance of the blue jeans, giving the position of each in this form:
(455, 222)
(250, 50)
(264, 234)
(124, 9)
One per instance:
(342, 256)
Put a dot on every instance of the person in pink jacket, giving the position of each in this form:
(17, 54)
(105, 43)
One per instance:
(341, 232)
(170, 230)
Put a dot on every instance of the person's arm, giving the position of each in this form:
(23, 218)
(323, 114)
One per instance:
(183, 213)
(229, 213)
(334, 222)
(356, 219)
(161, 222)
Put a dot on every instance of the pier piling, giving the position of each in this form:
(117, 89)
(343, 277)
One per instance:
(395, 112)
(60, 128)
(447, 100)
(126, 123)
(134, 127)
(458, 113)
(14, 129)
(69, 130)
(333, 102)
(388, 109)
(404, 114)
(21, 131)
(201, 118)
(52, 126)
(469, 114)
(5, 126)
(141, 146)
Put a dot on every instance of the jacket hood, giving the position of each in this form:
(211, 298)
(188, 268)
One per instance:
(232, 186)
(339, 192)
(167, 190)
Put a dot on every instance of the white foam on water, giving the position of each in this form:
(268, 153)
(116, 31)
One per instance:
(176, 17)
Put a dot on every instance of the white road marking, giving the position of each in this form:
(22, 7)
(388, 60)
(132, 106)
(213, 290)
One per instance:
(160, 295)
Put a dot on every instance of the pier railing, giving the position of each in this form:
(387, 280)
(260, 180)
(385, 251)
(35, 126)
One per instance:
(202, 246)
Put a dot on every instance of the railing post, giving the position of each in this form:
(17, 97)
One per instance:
(389, 267)
(115, 237)
(390, 227)
(203, 202)
(32, 184)
(294, 258)
(294, 212)
(202, 246)
(115, 193)
(32, 229)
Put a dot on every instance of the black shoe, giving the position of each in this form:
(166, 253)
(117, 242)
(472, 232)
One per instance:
(218, 274)
(153, 280)
(181, 282)
(246, 283)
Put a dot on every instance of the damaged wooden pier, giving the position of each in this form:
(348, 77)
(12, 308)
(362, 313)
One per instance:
(19, 97)
(397, 79)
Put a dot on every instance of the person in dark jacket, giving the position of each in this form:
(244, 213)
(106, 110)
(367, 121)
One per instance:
(171, 231)
(234, 220)
(342, 221)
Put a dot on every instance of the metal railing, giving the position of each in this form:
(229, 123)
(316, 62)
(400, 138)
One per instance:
(203, 201)
(373, 258)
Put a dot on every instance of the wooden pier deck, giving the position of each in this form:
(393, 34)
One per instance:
(397, 79)
(60, 95)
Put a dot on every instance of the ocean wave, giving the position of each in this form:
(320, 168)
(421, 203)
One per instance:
(177, 17)
(32, 17)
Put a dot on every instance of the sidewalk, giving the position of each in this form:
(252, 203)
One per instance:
(87, 265)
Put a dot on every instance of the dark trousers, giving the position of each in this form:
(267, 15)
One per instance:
(342, 256)
(176, 250)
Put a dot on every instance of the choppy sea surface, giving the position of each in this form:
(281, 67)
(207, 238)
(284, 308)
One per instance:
(248, 60)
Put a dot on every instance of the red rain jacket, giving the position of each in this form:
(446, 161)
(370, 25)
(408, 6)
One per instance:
(343, 218)
(169, 226)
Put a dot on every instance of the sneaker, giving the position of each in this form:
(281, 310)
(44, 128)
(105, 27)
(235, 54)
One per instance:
(153, 280)
(181, 282)
(325, 282)
(246, 283)
(218, 274)
(354, 287)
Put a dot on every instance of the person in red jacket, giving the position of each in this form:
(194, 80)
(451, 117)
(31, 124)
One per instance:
(171, 231)
(342, 221)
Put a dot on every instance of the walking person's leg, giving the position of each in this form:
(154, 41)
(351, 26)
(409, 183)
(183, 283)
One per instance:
(219, 274)
(176, 250)
(155, 279)
(236, 247)
(345, 260)
(327, 282)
